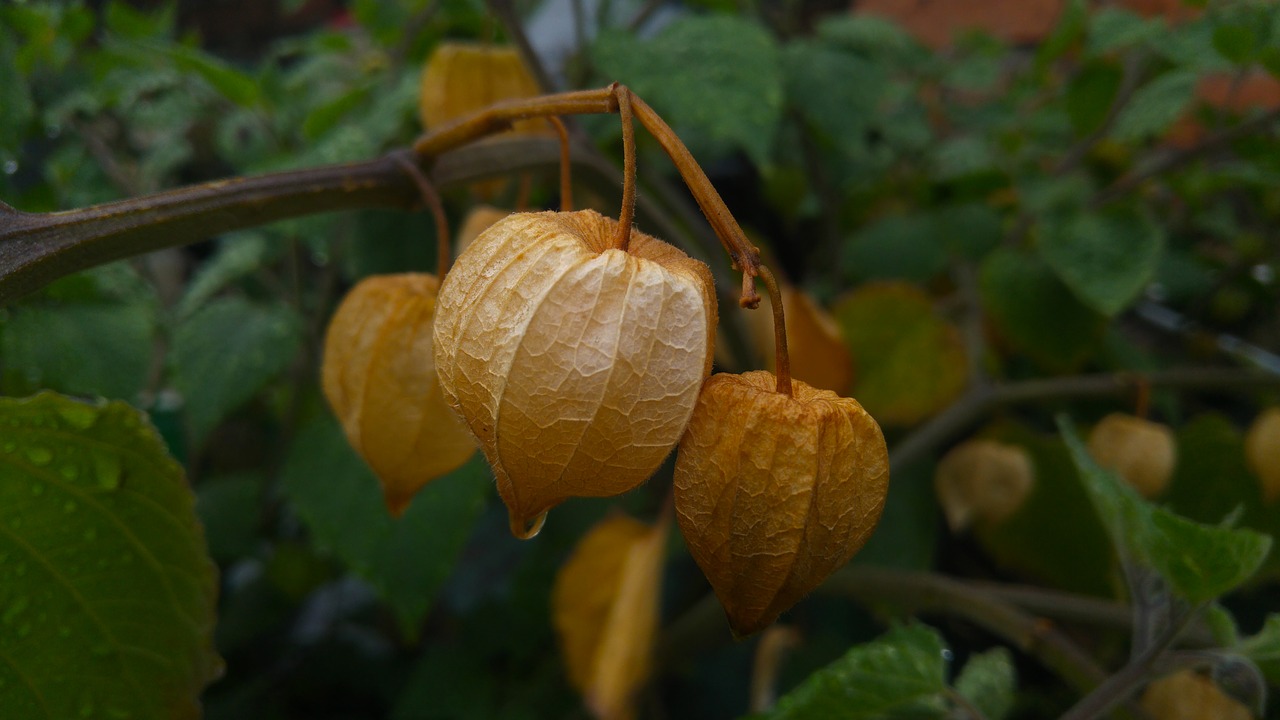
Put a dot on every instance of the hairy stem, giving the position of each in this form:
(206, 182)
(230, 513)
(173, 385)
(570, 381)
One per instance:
(432, 200)
(781, 355)
(566, 164)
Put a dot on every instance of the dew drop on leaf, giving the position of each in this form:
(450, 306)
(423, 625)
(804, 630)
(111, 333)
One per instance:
(39, 455)
(107, 470)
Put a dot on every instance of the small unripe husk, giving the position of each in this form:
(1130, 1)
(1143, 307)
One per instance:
(575, 365)
(1188, 695)
(380, 379)
(1141, 452)
(982, 480)
(774, 492)
(1262, 452)
(478, 219)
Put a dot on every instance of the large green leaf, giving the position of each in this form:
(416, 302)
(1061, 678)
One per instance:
(406, 559)
(842, 111)
(902, 671)
(226, 352)
(1200, 562)
(988, 681)
(1155, 106)
(1035, 313)
(907, 247)
(1106, 258)
(716, 79)
(107, 596)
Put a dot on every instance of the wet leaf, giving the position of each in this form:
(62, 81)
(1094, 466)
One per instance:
(910, 362)
(107, 596)
(1105, 258)
(605, 607)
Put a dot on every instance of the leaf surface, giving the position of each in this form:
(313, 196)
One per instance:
(107, 596)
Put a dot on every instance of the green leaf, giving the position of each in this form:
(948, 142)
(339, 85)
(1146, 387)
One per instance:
(1106, 258)
(239, 255)
(902, 670)
(234, 85)
(988, 681)
(1035, 312)
(1155, 106)
(1237, 43)
(406, 560)
(107, 597)
(907, 535)
(1071, 27)
(90, 333)
(231, 509)
(1200, 562)
(1090, 94)
(908, 247)
(871, 36)
(226, 352)
(1264, 648)
(840, 111)
(1113, 28)
(717, 80)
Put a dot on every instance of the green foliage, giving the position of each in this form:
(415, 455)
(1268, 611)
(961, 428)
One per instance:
(988, 681)
(107, 593)
(1105, 258)
(405, 559)
(716, 79)
(1199, 561)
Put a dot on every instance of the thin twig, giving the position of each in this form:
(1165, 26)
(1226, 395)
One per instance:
(431, 199)
(782, 358)
(627, 215)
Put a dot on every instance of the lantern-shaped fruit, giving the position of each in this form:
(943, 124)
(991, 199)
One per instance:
(982, 479)
(1141, 452)
(380, 379)
(478, 219)
(463, 78)
(1262, 452)
(575, 364)
(775, 492)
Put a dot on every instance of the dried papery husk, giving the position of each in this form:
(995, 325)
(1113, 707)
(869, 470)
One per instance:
(379, 377)
(1188, 695)
(575, 365)
(1140, 451)
(774, 492)
(818, 353)
(461, 78)
(982, 480)
(605, 607)
(478, 219)
(1262, 452)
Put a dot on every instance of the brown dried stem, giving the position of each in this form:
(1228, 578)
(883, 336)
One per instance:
(782, 357)
(431, 199)
(566, 164)
(627, 215)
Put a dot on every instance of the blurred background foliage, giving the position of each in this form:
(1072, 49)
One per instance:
(1016, 192)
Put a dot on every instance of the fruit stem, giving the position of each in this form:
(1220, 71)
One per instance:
(523, 188)
(566, 164)
(782, 357)
(627, 215)
(431, 199)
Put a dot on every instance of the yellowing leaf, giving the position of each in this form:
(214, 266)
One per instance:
(911, 363)
(605, 606)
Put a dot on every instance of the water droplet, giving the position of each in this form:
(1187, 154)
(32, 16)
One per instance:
(64, 631)
(39, 455)
(69, 472)
(24, 630)
(37, 489)
(107, 470)
(10, 167)
(10, 446)
(1264, 274)
(69, 507)
(20, 569)
(15, 523)
(78, 415)
(15, 609)
(946, 655)
(91, 534)
(130, 421)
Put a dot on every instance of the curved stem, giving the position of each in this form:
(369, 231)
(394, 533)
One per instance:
(566, 164)
(627, 215)
(745, 256)
(782, 357)
(431, 199)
